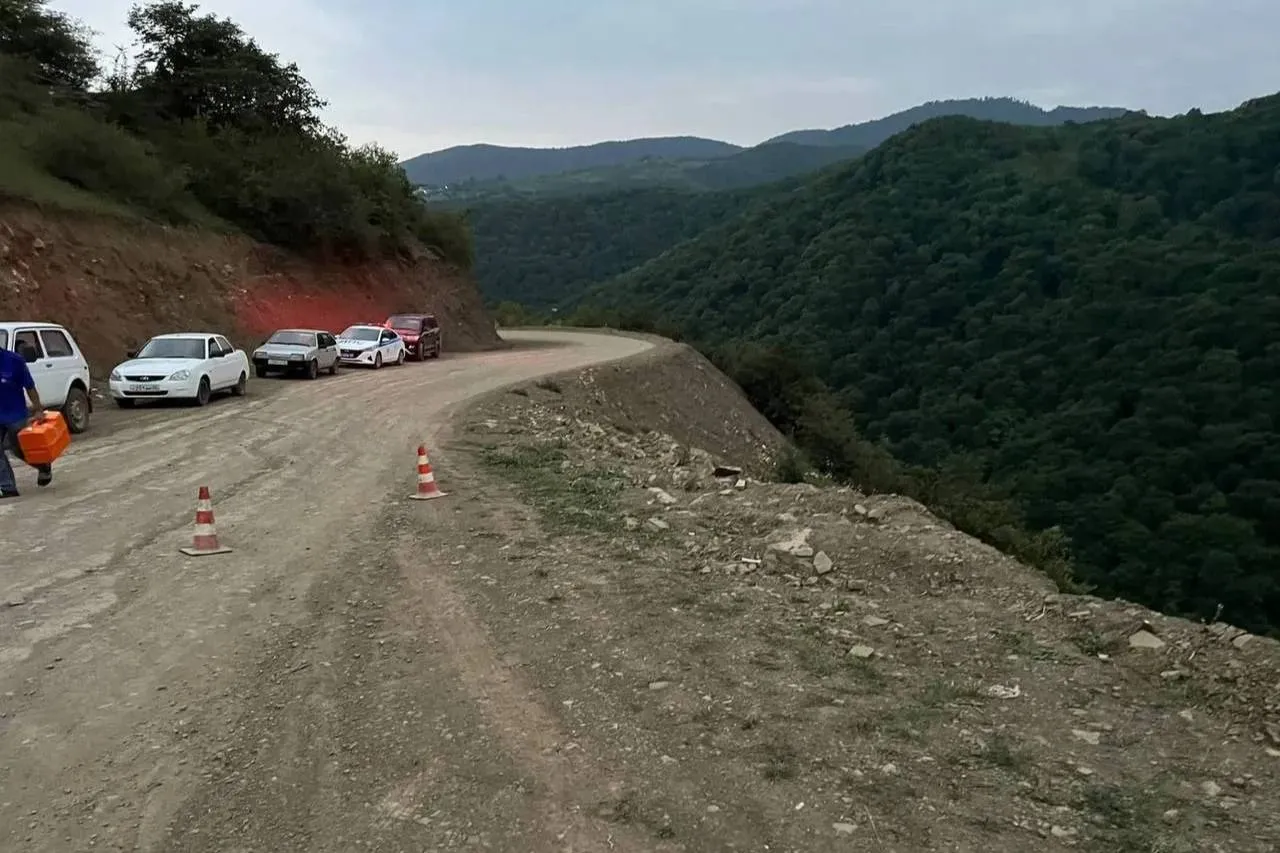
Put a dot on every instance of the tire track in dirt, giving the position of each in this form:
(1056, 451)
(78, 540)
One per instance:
(527, 729)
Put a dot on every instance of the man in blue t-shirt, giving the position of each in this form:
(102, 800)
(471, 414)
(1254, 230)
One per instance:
(16, 387)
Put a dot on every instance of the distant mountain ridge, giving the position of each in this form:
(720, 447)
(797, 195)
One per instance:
(869, 134)
(492, 162)
(788, 154)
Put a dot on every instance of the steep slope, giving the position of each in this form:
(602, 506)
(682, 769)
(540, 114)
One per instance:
(489, 162)
(174, 200)
(114, 282)
(1085, 316)
(869, 134)
(547, 252)
(524, 257)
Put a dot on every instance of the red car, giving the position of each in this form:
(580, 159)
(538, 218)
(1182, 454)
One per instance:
(421, 334)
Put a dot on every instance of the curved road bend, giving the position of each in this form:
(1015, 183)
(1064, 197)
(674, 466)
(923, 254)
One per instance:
(103, 623)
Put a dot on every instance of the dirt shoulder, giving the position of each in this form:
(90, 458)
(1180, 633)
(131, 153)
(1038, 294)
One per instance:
(706, 663)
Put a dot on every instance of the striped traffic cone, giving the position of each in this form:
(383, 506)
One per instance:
(427, 488)
(205, 540)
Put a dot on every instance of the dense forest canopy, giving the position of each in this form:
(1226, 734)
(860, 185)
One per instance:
(1086, 316)
(198, 125)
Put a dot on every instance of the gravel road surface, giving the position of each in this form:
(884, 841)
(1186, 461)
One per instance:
(133, 679)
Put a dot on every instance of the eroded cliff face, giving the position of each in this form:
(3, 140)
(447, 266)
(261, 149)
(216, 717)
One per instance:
(115, 282)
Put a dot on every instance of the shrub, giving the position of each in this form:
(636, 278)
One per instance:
(74, 146)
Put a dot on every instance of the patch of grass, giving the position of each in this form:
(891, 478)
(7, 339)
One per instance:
(791, 466)
(1130, 820)
(1004, 752)
(1094, 643)
(570, 500)
(780, 759)
(549, 384)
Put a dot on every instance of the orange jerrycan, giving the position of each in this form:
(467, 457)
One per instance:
(44, 440)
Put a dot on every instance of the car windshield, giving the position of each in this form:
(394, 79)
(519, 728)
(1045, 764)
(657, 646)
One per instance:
(293, 339)
(360, 333)
(409, 322)
(173, 348)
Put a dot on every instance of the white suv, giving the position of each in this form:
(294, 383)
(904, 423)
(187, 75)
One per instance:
(57, 365)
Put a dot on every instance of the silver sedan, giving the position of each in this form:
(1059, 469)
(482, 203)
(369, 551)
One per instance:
(297, 351)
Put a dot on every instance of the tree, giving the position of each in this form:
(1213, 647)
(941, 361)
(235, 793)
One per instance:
(57, 46)
(200, 67)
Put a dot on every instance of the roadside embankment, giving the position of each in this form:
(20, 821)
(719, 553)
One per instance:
(114, 282)
(725, 662)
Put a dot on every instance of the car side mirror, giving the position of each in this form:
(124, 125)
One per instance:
(133, 353)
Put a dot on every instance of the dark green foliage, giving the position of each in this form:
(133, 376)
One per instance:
(869, 134)
(544, 253)
(497, 162)
(57, 47)
(200, 126)
(1084, 319)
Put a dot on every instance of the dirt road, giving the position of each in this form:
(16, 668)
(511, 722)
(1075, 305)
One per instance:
(150, 701)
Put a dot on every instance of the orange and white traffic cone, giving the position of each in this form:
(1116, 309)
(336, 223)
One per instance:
(205, 539)
(427, 488)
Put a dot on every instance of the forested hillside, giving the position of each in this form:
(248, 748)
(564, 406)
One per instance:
(494, 162)
(198, 126)
(544, 253)
(542, 240)
(869, 134)
(1086, 318)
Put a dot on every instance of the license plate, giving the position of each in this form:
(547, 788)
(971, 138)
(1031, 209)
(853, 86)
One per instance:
(143, 389)
(276, 362)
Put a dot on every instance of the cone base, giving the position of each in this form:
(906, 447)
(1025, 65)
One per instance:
(193, 552)
(418, 497)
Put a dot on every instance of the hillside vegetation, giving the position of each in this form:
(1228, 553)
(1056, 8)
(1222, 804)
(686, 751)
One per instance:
(545, 253)
(485, 173)
(1085, 319)
(869, 134)
(500, 162)
(541, 241)
(199, 126)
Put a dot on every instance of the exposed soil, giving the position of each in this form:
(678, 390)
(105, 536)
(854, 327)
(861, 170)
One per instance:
(760, 666)
(115, 282)
(594, 642)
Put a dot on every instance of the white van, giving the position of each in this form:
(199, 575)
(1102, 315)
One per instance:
(57, 365)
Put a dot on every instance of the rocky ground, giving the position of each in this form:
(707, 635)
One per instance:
(735, 664)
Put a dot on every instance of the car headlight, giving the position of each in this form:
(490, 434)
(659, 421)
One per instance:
(115, 376)
(295, 357)
(180, 375)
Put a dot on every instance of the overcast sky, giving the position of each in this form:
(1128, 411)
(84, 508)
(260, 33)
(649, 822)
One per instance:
(419, 75)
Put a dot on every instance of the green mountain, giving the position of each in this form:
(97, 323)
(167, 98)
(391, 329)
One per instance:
(1085, 318)
(497, 162)
(1008, 110)
(547, 252)
(751, 167)
(487, 172)
(542, 240)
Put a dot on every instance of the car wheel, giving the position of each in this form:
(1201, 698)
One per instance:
(125, 402)
(435, 351)
(204, 392)
(333, 368)
(313, 369)
(260, 372)
(76, 410)
(377, 361)
(400, 357)
(241, 386)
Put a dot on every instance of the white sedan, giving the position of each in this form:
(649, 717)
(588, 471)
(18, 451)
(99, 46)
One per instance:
(370, 346)
(185, 366)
